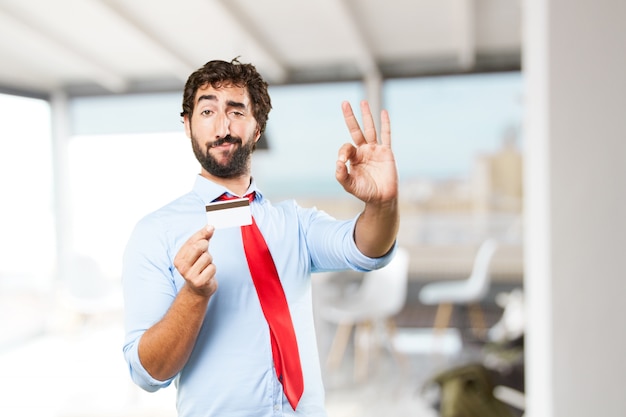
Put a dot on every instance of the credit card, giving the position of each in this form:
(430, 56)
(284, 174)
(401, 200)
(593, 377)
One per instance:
(230, 213)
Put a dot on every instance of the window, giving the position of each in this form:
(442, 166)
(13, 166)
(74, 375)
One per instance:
(27, 240)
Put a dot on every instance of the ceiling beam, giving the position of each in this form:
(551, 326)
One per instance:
(276, 68)
(101, 73)
(365, 59)
(181, 65)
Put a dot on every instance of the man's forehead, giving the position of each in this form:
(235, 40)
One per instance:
(224, 92)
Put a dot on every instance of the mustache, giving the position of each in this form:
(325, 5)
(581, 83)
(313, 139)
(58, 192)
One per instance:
(225, 139)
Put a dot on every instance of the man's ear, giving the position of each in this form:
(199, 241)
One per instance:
(187, 123)
(257, 134)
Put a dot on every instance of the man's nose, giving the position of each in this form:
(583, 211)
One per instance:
(222, 126)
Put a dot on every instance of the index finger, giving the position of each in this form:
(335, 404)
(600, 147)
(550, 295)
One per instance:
(193, 248)
(203, 234)
(352, 124)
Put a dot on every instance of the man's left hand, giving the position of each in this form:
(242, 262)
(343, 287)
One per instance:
(367, 168)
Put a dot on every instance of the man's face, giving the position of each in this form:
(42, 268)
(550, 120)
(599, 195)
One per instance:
(223, 130)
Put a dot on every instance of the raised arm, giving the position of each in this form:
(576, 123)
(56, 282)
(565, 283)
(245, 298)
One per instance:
(367, 170)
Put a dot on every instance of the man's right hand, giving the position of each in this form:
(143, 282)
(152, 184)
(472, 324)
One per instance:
(194, 262)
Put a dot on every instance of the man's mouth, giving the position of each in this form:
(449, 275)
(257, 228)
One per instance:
(225, 140)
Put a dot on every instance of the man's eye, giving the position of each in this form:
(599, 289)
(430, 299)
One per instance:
(237, 114)
(206, 112)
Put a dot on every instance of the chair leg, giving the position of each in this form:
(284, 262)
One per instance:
(477, 320)
(339, 344)
(390, 327)
(362, 346)
(442, 317)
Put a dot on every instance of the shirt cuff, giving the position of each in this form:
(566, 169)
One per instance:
(365, 263)
(138, 373)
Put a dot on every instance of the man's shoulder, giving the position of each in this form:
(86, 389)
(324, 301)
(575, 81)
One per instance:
(180, 205)
(288, 207)
(176, 212)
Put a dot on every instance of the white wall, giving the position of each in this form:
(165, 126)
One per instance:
(575, 72)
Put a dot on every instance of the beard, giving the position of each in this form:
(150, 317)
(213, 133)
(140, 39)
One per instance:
(237, 163)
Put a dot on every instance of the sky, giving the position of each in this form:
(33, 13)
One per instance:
(443, 122)
(439, 125)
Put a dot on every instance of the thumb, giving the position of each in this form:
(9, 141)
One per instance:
(341, 172)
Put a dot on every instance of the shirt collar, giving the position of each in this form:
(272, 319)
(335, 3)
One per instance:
(209, 191)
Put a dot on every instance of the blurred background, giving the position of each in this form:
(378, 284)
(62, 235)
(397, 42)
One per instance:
(90, 96)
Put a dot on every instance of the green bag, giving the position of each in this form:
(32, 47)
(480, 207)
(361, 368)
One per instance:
(467, 391)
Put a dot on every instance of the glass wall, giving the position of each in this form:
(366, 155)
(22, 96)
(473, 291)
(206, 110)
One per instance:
(121, 165)
(459, 146)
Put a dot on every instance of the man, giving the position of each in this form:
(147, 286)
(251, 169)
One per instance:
(195, 311)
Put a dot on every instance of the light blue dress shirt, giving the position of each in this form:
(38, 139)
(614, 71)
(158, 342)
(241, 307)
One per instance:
(230, 372)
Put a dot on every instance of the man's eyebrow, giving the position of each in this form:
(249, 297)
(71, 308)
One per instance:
(230, 103)
(211, 97)
(236, 104)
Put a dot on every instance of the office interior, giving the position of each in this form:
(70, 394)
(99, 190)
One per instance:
(549, 188)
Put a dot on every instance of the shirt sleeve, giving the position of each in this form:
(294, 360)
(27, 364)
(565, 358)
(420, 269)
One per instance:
(149, 290)
(332, 246)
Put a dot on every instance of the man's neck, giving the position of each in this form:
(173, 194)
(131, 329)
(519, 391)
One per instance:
(237, 185)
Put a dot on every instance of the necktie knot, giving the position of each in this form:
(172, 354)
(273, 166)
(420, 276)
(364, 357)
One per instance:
(226, 197)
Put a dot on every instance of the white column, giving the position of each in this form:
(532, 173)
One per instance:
(575, 180)
(60, 136)
(373, 94)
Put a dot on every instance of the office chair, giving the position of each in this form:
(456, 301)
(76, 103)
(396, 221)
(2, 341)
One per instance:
(380, 296)
(470, 291)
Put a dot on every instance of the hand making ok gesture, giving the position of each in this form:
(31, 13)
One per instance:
(367, 169)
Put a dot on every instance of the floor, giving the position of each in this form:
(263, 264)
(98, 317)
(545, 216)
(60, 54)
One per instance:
(70, 368)
(402, 388)
(392, 388)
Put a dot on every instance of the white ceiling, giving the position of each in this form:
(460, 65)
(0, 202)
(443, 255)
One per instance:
(119, 46)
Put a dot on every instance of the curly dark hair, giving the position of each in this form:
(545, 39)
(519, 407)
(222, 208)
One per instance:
(219, 73)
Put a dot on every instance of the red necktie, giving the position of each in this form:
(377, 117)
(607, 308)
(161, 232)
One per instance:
(274, 306)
